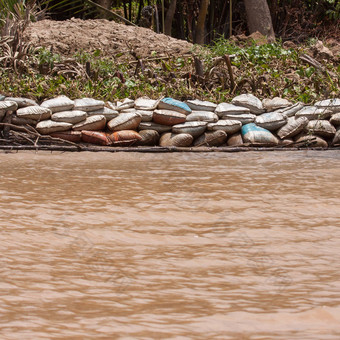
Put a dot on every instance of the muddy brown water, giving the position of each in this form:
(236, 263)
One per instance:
(170, 246)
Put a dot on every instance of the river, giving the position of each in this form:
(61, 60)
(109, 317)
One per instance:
(170, 246)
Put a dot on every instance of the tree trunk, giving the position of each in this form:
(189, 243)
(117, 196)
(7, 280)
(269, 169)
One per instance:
(106, 4)
(258, 17)
(199, 36)
(169, 17)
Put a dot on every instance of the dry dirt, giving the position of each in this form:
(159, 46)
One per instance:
(74, 35)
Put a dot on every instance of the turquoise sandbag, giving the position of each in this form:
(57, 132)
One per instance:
(175, 105)
(2, 97)
(255, 135)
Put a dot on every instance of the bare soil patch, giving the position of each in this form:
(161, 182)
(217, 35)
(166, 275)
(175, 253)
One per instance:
(111, 38)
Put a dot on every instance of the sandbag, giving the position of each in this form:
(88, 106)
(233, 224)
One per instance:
(92, 123)
(249, 101)
(88, 104)
(95, 137)
(335, 119)
(125, 121)
(194, 129)
(22, 102)
(201, 105)
(127, 103)
(7, 105)
(154, 126)
(167, 117)
(125, 135)
(174, 105)
(146, 115)
(235, 139)
(224, 109)
(149, 138)
(47, 127)
(213, 138)
(292, 127)
(229, 126)
(275, 103)
(106, 112)
(202, 116)
(36, 113)
(257, 136)
(332, 104)
(311, 141)
(60, 103)
(336, 139)
(72, 117)
(178, 140)
(145, 103)
(312, 113)
(321, 128)
(71, 136)
(290, 111)
(22, 121)
(244, 118)
(271, 121)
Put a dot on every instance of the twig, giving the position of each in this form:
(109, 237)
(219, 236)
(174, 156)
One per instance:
(230, 71)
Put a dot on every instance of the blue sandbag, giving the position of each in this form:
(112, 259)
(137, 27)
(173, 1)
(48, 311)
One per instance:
(175, 105)
(255, 135)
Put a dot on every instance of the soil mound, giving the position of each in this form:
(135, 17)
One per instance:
(111, 38)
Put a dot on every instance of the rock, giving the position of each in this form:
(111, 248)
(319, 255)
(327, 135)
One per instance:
(320, 50)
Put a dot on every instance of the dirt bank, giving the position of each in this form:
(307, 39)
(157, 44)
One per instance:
(112, 39)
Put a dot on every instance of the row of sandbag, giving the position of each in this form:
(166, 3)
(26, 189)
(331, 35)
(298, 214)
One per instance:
(171, 122)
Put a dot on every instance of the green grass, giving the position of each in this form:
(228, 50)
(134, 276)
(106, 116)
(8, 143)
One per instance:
(266, 71)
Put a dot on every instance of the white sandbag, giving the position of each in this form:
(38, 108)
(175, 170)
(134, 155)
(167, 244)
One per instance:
(194, 129)
(92, 123)
(129, 110)
(224, 109)
(201, 105)
(145, 103)
(212, 138)
(244, 118)
(290, 111)
(174, 105)
(36, 113)
(329, 104)
(271, 120)
(125, 121)
(202, 116)
(22, 102)
(146, 115)
(88, 104)
(60, 103)
(229, 126)
(275, 103)
(249, 101)
(7, 105)
(154, 126)
(335, 119)
(179, 140)
(49, 126)
(311, 141)
(106, 112)
(73, 117)
(127, 103)
(168, 117)
(321, 128)
(257, 136)
(312, 113)
(292, 127)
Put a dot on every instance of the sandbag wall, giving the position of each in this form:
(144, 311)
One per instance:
(169, 122)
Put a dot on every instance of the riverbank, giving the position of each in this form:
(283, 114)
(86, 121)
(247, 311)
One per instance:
(167, 124)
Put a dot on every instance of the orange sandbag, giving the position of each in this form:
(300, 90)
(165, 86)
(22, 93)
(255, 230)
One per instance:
(95, 137)
(71, 136)
(125, 135)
